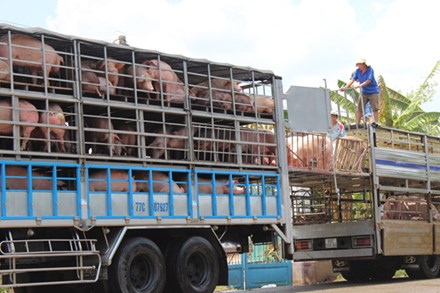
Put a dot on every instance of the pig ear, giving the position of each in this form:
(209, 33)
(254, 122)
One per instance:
(148, 62)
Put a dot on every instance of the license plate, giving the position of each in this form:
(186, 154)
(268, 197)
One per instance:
(331, 243)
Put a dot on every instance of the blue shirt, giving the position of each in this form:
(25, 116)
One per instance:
(372, 87)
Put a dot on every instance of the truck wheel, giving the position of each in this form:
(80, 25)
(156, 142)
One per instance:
(429, 267)
(193, 266)
(138, 266)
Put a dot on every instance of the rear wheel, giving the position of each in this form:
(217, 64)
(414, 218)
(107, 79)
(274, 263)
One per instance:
(193, 266)
(429, 267)
(139, 266)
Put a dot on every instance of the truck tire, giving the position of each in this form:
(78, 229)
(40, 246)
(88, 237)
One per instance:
(138, 266)
(192, 266)
(429, 267)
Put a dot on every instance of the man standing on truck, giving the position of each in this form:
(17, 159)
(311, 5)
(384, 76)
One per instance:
(364, 74)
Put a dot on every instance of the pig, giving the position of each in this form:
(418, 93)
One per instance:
(243, 103)
(54, 116)
(263, 104)
(128, 140)
(408, 208)
(392, 208)
(113, 69)
(98, 67)
(172, 89)
(142, 76)
(31, 55)
(92, 83)
(27, 114)
(218, 143)
(309, 151)
(220, 92)
(222, 186)
(161, 182)
(174, 145)
(258, 147)
(112, 141)
(216, 83)
(220, 99)
(5, 71)
(119, 180)
(22, 183)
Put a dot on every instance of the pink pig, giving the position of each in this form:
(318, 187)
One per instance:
(53, 117)
(119, 180)
(222, 186)
(161, 182)
(27, 52)
(22, 183)
(172, 87)
(27, 113)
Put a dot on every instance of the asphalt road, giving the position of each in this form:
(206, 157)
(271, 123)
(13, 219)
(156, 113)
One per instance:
(400, 285)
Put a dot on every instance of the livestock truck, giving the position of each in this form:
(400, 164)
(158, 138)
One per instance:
(377, 210)
(125, 169)
(128, 170)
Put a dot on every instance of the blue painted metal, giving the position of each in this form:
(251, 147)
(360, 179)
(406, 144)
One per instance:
(261, 274)
(29, 203)
(254, 271)
(236, 276)
(257, 185)
(248, 195)
(401, 164)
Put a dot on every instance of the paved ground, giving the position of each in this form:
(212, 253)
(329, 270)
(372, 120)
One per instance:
(401, 285)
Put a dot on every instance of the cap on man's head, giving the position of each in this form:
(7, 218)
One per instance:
(362, 61)
(334, 113)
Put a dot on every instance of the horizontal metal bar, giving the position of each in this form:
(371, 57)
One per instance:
(47, 269)
(14, 255)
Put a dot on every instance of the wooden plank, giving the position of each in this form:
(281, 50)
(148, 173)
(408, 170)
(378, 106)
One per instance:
(437, 238)
(407, 237)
